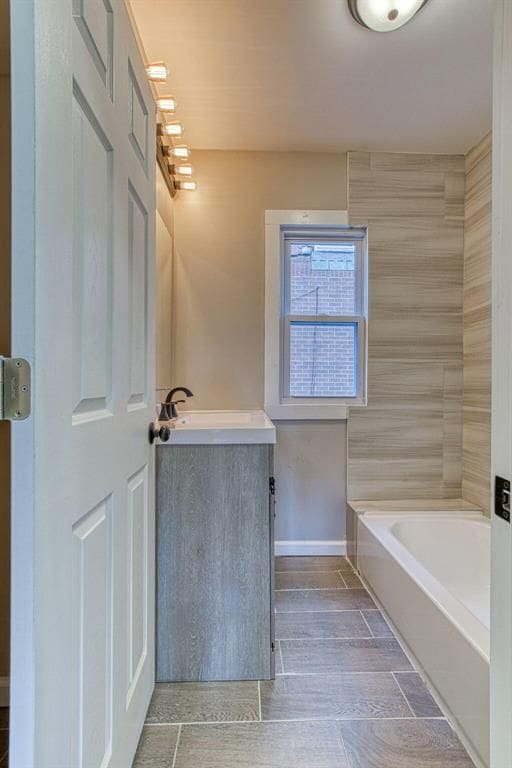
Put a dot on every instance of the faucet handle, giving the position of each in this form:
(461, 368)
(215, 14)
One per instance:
(173, 413)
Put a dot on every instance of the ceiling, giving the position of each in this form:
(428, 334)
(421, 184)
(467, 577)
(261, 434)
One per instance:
(302, 75)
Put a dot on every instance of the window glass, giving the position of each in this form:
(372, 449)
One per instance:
(323, 359)
(322, 278)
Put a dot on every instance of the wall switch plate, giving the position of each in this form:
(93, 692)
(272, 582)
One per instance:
(502, 498)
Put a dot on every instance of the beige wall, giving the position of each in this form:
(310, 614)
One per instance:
(164, 286)
(407, 442)
(5, 348)
(219, 294)
(219, 314)
(476, 464)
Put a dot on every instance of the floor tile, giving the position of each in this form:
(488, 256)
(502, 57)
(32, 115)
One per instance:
(313, 697)
(279, 662)
(309, 580)
(156, 746)
(303, 625)
(203, 702)
(329, 563)
(261, 745)
(322, 600)
(403, 744)
(377, 624)
(352, 581)
(417, 694)
(332, 656)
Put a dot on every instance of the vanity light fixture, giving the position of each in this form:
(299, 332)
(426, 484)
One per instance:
(181, 170)
(189, 186)
(174, 128)
(384, 15)
(181, 151)
(157, 72)
(166, 103)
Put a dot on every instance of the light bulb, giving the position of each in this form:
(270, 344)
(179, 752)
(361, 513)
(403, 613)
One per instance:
(157, 72)
(166, 103)
(181, 170)
(384, 15)
(182, 152)
(189, 186)
(172, 129)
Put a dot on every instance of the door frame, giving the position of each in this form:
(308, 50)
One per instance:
(23, 661)
(501, 431)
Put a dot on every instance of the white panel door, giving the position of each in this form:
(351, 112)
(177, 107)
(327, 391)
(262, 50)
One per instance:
(501, 550)
(83, 508)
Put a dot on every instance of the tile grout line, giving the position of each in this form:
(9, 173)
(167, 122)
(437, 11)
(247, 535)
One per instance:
(313, 589)
(330, 673)
(281, 656)
(334, 637)
(403, 694)
(333, 610)
(259, 700)
(323, 610)
(343, 745)
(320, 589)
(328, 719)
(342, 579)
(370, 630)
(176, 747)
(328, 570)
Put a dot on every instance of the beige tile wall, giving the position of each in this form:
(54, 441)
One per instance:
(408, 442)
(476, 444)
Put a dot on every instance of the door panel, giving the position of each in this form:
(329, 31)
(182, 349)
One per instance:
(138, 119)
(93, 622)
(138, 525)
(94, 20)
(138, 299)
(92, 255)
(83, 508)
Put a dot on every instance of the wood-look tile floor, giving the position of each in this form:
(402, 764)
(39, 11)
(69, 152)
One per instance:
(345, 694)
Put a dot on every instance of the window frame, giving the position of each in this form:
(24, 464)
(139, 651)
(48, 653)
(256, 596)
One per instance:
(281, 226)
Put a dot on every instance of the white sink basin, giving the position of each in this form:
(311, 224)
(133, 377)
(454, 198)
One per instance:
(222, 428)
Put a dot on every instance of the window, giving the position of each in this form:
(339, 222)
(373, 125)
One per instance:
(315, 362)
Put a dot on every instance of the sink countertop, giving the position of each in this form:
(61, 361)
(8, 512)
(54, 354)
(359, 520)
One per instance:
(222, 428)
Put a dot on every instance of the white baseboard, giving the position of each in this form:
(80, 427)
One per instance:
(4, 691)
(291, 548)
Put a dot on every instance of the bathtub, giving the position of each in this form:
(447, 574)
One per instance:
(431, 574)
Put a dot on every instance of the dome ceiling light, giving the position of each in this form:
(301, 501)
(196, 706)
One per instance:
(384, 15)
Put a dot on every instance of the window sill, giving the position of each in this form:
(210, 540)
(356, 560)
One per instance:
(295, 412)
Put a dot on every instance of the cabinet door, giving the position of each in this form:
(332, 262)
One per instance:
(214, 565)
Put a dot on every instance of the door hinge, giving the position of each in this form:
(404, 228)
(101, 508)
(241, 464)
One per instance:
(15, 392)
(272, 485)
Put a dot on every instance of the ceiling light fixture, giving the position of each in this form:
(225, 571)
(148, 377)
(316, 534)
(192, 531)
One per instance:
(157, 72)
(181, 170)
(166, 103)
(189, 186)
(181, 151)
(384, 15)
(174, 128)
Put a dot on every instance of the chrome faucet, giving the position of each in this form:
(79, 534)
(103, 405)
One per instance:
(168, 410)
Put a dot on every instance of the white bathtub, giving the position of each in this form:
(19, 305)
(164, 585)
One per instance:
(431, 573)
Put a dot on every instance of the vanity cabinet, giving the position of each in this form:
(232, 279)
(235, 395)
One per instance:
(215, 555)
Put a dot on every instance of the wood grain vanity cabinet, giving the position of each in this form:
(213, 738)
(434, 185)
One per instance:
(215, 555)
